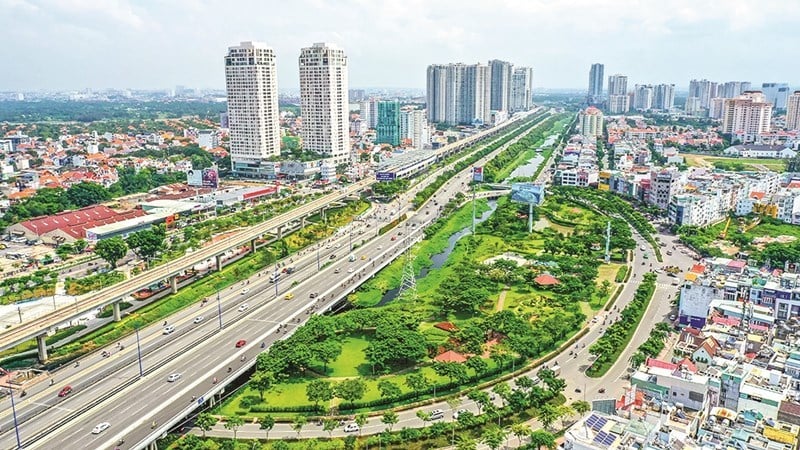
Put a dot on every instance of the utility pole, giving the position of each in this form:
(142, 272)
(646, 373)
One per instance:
(608, 242)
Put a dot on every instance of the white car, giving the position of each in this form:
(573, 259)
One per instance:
(437, 414)
(103, 426)
(174, 377)
(351, 428)
(243, 307)
(245, 291)
(169, 329)
(198, 319)
(351, 270)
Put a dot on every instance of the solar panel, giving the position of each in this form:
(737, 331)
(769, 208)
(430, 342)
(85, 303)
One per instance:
(600, 436)
(609, 439)
(596, 422)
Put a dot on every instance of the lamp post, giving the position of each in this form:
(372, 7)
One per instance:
(219, 310)
(276, 279)
(139, 353)
(318, 246)
(14, 413)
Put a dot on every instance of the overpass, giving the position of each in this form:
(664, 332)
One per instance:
(39, 327)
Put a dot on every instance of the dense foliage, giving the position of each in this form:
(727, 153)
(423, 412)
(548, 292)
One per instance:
(91, 111)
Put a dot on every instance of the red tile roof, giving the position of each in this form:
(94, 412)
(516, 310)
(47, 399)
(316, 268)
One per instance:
(446, 326)
(652, 362)
(698, 268)
(451, 356)
(75, 223)
(546, 280)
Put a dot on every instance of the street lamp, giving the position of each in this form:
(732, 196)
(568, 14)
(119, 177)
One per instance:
(318, 246)
(219, 310)
(276, 279)
(14, 413)
(139, 353)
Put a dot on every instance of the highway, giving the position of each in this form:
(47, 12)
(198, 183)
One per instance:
(176, 353)
(28, 330)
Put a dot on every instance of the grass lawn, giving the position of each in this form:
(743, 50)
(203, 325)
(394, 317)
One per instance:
(607, 272)
(351, 362)
(776, 165)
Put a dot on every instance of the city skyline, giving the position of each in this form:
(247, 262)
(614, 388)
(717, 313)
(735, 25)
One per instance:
(138, 45)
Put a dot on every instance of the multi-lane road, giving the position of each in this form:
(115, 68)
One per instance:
(199, 351)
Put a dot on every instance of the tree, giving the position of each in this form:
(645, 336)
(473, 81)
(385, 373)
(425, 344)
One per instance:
(80, 245)
(390, 418)
(147, 243)
(520, 430)
(477, 364)
(453, 371)
(541, 438)
(233, 423)
(417, 381)
(111, 250)
(480, 398)
(466, 443)
(555, 385)
(266, 423)
(388, 389)
(361, 420)
(319, 391)
(547, 414)
(493, 437)
(205, 422)
(298, 424)
(326, 351)
(280, 445)
(262, 381)
(329, 425)
(500, 356)
(86, 194)
(503, 390)
(581, 407)
(424, 416)
(351, 390)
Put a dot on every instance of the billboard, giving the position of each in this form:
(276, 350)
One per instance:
(528, 193)
(477, 174)
(385, 176)
(210, 178)
(194, 177)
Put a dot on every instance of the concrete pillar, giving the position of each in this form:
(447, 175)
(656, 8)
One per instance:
(115, 308)
(174, 283)
(322, 214)
(41, 343)
(253, 246)
(280, 232)
(302, 223)
(218, 258)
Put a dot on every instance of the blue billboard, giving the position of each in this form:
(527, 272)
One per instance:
(477, 174)
(528, 193)
(385, 176)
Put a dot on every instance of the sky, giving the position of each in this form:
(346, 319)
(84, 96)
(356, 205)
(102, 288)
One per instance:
(143, 44)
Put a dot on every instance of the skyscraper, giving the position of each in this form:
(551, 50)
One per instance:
(664, 97)
(324, 102)
(731, 89)
(414, 127)
(643, 97)
(793, 111)
(776, 93)
(618, 100)
(749, 113)
(521, 89)
(591, 122)
(501, 72)
(252, 83)
(704, 90)
(467, 90)
(595, 95)
(436, 93)
(388, 129)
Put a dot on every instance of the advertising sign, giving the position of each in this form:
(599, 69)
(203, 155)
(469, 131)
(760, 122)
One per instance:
(385, 176)
(194, 177)
(210, 178)
(528, 193)
(477, 174)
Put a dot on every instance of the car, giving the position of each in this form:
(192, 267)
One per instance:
(241, 343)
(394, 238)
(641, 248)
(363, 257)
(351, 428)
(333, 256)
(337, 270)
(459, 412)
(578, 390)
(313, 295)
(102, 426)
(672, 317)
(380, 247)
(245, 291)
(243, 307)
(174, 377)
(288, 296)
(198, 319)
(351, 270)
(338, 245)
(437, 414)
(669, 252)
(602, 390)
(169, 329)
(65, 391)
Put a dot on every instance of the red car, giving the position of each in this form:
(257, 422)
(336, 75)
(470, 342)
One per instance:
(65, 391)
(394, 238)
(240, 343)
